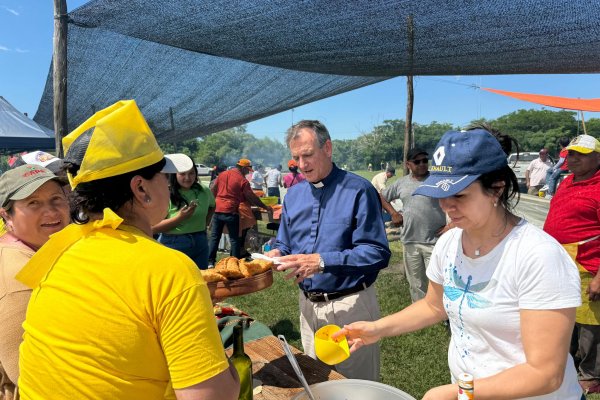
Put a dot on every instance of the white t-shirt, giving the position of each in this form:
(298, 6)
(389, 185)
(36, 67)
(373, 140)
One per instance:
(257, 180)
(483, 296)
(273, 177)
(537, 171)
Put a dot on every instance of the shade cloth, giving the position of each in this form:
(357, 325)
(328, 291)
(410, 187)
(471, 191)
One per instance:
(199, 66)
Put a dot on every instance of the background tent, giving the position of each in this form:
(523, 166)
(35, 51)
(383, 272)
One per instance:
(200, 66)
(19, 133)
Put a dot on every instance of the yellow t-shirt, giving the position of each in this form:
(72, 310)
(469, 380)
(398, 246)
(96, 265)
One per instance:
(116, 315)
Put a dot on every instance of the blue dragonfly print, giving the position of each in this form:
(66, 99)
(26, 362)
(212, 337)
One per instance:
(466, 291)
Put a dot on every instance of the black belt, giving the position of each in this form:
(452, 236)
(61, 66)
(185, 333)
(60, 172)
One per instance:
(317, 297)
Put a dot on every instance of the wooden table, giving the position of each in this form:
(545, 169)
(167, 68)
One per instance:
(273, 369)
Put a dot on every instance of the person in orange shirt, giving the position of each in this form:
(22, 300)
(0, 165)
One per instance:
(230, 189)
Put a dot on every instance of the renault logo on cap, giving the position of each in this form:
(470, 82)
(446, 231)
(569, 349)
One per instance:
(439, 155)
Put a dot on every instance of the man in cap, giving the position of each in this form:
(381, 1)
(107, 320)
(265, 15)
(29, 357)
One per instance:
(574, 220)
(535, 174)
(333, 244)
(380, 180)
(294, 177)
(230, 189)
(422, 220)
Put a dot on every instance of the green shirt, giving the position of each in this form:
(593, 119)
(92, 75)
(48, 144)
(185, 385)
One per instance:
(197, 222)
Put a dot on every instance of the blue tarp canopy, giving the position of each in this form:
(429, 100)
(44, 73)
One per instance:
(196, 66)
(19, 133)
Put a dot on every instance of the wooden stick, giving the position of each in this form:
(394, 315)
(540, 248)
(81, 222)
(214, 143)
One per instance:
(59, 74)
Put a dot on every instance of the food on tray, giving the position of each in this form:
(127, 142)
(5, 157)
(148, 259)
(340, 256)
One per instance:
(231, 268)
(254, 267)
(240, 277)
(210, 275)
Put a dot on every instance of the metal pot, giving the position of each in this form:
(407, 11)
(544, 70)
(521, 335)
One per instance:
(354, 389)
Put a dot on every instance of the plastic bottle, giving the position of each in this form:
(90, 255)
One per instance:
(242, 363)
(465, 387)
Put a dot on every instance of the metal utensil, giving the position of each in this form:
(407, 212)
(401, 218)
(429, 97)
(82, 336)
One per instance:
(296, 367)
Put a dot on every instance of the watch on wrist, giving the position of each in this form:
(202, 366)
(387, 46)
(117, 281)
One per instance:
(321, 265)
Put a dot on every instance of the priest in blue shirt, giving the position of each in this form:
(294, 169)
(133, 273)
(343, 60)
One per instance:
(333, 243)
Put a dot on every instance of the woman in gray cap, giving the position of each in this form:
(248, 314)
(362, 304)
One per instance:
(33, 206)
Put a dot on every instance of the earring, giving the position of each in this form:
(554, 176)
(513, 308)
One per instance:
(147, 199)
(496, 204)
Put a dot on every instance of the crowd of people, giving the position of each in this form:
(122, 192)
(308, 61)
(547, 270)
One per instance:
(100, 263)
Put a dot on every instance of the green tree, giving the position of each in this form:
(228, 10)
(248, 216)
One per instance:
(427, 136)
(346, 153)
(592, 127)
(531, 127)
(223, 148)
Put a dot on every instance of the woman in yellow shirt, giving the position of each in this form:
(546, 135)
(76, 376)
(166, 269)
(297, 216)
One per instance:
(114, 314)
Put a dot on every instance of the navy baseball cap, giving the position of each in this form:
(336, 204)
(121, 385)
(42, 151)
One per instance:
(460, 158)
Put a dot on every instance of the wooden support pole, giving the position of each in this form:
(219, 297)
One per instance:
(59, 74)
(408, 137)
(583, 123)
(410, 96)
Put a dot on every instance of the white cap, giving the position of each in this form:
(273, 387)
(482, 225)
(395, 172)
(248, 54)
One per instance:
(39, 158)
(177, 163)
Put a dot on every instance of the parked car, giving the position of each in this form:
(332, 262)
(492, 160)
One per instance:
(520, 165)
(203, 170)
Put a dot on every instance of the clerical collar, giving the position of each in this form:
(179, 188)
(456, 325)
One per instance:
(328, 179)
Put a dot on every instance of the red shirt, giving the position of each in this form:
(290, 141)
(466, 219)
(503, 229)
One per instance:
(229, 188)
(563, 154)
(574, 216)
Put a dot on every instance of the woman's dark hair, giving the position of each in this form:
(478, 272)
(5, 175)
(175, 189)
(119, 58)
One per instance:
(174, 186)
(564, 141)
(293, 170)
(490, 180)
(506, 142)
(112, 192)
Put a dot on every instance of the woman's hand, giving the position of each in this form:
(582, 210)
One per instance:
(359, 334)
(446, 392)
(186, 212)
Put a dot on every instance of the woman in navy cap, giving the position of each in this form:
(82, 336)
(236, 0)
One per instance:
(508, 289)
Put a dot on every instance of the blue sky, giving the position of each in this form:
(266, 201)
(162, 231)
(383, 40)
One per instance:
(26, 28)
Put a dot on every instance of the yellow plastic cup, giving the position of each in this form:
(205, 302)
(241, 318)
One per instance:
(331, 351)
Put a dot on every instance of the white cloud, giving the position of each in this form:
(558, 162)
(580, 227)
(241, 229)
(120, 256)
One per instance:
(10, 10)
(4, 48)
(18, 50)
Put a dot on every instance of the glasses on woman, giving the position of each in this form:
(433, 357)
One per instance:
(420, 161)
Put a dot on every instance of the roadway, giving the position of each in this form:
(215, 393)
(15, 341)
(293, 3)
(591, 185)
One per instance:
(534, 209)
